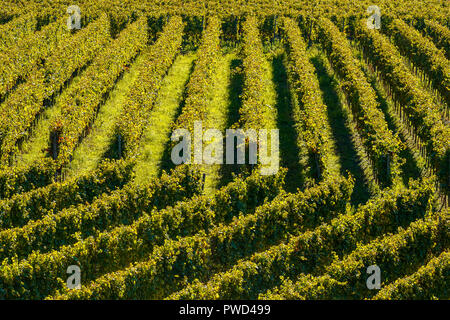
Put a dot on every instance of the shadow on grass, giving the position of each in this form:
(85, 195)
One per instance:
(345, 149)
(235, 91)
(289, 150)
(166, 161)
(410, 169)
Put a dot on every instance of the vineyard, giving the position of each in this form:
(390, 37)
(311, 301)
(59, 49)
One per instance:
(86, 175)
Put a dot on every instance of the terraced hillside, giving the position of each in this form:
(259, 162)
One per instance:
(87, 178)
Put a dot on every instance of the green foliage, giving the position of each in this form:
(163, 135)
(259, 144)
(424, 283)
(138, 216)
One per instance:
(27, 101)
(416, 103)
(22, 59)
(200, 85)
(439, 34)
(178, 261)
(118, 247)
(35, 204)
(313, 128)
(80, 102)
(314, 249)
(16, 180)
(423, 54)
(20, 27)
(429, 282)
(381, 144)
(395, 255)
(141, 98)
(170, 237)
(254, 113)
(122, 206)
